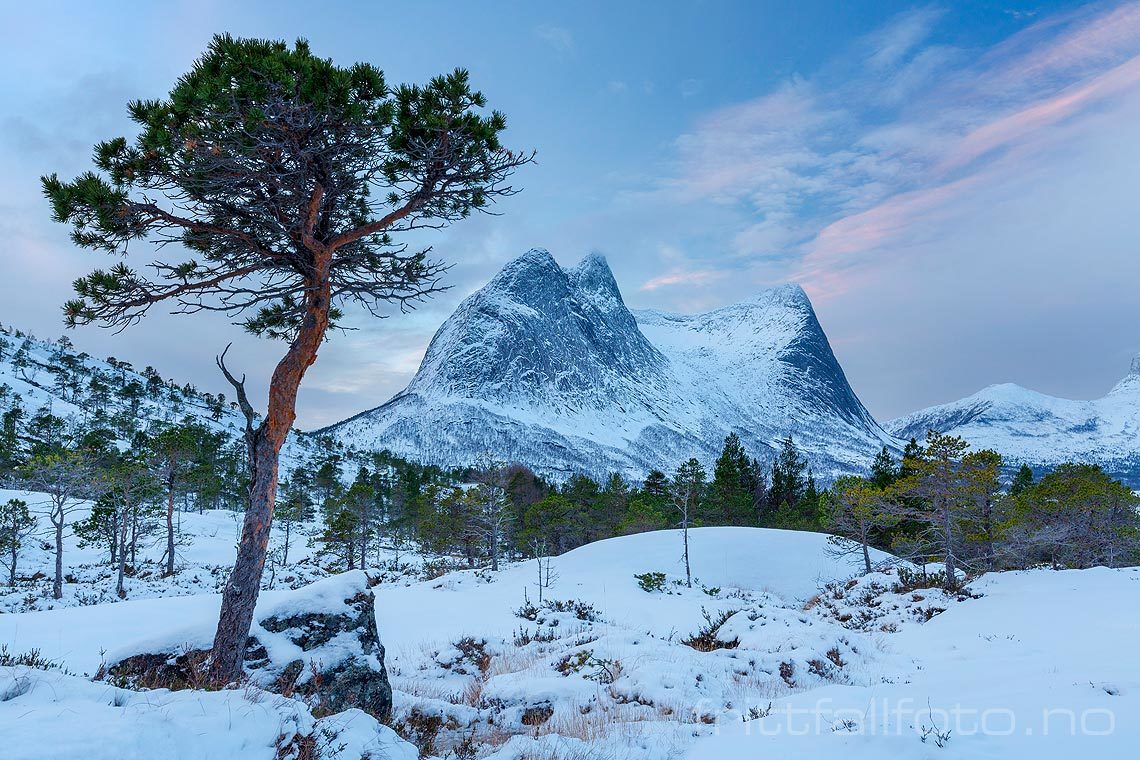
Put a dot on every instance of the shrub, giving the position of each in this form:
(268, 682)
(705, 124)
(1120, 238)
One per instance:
(574, 662)
(651, 582)
(707, 639)
(30, 659)
(524, 636)
(581, 610)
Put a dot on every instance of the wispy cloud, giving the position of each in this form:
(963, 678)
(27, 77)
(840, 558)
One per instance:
(559, 38)
(826, 169)
(681, 277)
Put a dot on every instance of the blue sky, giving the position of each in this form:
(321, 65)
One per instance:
(953, 184)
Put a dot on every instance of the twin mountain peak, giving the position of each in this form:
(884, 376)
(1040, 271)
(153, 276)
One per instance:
(547, 366)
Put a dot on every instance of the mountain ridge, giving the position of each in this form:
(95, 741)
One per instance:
(1029, 427)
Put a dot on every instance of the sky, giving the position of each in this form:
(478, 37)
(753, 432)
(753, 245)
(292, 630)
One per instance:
(955, 185)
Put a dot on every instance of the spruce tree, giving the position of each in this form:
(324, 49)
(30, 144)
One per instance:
(884, 471)
(731, 493)
(788, 472)
(1022, 480)
(284, 182)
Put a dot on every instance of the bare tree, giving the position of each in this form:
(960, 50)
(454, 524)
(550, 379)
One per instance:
(66, 476)
(547, 576)
(688, 490)
(492, 516)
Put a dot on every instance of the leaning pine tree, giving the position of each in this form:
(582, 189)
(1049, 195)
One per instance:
(276, 185)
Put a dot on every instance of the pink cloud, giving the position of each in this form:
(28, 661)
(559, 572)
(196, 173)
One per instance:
(700, 277)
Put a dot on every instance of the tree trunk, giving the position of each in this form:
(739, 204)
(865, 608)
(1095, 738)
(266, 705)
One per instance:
(363, 541)
(864, 530)
(15, 548)
(685, 538)
(170, 523)
(57, 581)
(123, 525)
(239, 597)
(285, 549)
(948, 547)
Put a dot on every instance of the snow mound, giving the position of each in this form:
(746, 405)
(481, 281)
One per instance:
(49, 715)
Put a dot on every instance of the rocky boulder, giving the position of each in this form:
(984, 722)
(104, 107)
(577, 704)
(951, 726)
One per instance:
(319, 643)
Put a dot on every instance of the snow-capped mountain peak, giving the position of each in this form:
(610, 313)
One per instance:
(1029, 427)
(547, 366)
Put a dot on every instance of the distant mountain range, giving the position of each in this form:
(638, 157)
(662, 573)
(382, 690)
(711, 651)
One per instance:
(547, 366)
(1043, 431)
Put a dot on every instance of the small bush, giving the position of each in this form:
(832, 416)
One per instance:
(605, 671)
(421, 729)
(651, 582)
(911, 580)
(474, 652)
(707, 639)
(524, 636)
(581, 610)
(574, 662)
(30, 659)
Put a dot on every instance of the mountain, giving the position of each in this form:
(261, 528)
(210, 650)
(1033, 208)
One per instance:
(546, 366)
(1042, 431)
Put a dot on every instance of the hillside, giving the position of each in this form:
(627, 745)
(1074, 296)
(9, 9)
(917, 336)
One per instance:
(53, 377)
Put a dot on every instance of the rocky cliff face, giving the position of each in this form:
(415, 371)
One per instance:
(547, 366)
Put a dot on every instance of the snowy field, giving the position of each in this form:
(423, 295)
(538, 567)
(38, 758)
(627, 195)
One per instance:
(796, 661)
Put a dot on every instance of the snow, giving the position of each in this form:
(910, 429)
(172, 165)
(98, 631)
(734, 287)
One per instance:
(546, 366)
(607, 660)
(51, 715)
(1009, 674)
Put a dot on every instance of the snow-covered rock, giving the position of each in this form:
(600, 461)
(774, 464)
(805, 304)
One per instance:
(546, 366)
(320, 642)
(1043, 431)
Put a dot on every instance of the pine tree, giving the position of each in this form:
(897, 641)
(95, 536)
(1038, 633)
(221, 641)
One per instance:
(912, 452)
(858, 509)
(884, 471)
(16, 525)
(284, 179)
(938, 484)
(981, 472)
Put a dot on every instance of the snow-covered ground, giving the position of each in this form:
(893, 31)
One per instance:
(804, 663)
